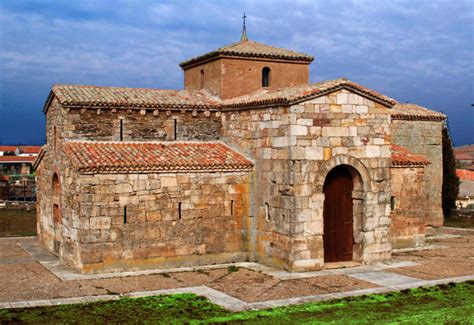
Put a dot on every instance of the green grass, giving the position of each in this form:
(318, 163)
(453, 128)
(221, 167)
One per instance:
(459, 222)
(17, 223)
(453, 303)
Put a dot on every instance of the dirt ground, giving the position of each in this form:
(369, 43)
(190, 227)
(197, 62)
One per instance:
(455, 259)
(22, 278)
(19, 223)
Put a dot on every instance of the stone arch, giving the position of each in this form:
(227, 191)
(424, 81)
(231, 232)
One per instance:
(361, 185)
(360, 174)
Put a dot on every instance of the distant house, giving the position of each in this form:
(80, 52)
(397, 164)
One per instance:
(465, 198)
(464, 157)
(17, 160)
(17, 181)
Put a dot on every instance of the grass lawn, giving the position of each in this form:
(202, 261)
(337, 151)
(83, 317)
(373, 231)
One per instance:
(459, 222)
(17, 223)
(452, 303)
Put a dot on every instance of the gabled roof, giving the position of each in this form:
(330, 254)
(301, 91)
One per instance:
(402, 157)
(415, 112)
(154, 157)
(17, 159)
(249, 49)
(78, 96)
(296, 94)
(95, 96)
(465, 175)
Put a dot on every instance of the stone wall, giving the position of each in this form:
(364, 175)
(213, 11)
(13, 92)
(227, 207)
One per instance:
(140, 125)
(425, 138)
(114, 222)
(232, 77)
(408, 208)
(294, 149)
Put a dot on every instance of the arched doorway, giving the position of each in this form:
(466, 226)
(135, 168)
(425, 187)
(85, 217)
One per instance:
(338, 218)
(57, 218)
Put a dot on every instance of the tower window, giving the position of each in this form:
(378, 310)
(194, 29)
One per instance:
(267, 211)
(201, 79)
(121, 130)
(266, 77)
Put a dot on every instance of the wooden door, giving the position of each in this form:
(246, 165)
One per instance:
(338, 221)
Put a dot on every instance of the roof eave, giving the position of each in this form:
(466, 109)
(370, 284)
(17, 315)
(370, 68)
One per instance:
(48, 102)
(215, 56)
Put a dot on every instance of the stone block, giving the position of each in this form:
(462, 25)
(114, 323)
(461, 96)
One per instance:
(169, 181)
(298, 129)
(335, 131)
(314, 153)
(342, 99)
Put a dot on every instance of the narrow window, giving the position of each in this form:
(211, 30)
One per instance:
(121, 130)
(392, 203)
(124, 214)
(54, 138)
(267, 211)
(266, 77)
(179, 210)
(201, 79)
(231, 207)
(175, 129)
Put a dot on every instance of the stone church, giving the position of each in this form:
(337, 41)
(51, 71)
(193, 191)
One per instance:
(250, 162)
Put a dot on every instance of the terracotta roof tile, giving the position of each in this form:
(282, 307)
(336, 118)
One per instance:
(95, 96)
(17, 159)
(464, 152)
(8, 148)
(293, 95)
(415, 112)
(30, 149)
(132, 157)
(402, 157)
(249, 49)
(465, 175)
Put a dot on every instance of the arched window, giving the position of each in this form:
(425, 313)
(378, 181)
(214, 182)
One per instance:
(266, 77)
(201, 79)
(56, 185)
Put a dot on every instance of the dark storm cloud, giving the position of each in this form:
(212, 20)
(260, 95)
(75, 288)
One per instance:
(416, 51)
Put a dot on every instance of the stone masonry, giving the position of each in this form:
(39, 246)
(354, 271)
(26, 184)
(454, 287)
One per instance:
(228, 170)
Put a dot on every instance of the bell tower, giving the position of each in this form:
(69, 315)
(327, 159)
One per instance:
(245, 67)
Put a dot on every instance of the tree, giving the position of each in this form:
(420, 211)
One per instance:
(450, 188)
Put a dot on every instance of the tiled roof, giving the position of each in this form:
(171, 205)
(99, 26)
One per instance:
(415, 112)
(132, 157)
(402, 157)
(293, 95)
(95, 96)
(8, 148)
(30, 149)
(109, 97)
(464, 152)
(17, 159)
(465, 175)
(249, 49)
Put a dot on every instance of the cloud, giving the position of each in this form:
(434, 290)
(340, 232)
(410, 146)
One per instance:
(414, 51)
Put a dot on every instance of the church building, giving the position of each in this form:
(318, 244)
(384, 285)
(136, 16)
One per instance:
(250, 162)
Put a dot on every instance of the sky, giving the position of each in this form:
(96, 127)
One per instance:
(413, 51)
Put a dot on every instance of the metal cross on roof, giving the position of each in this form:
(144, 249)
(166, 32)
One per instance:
(244, 30)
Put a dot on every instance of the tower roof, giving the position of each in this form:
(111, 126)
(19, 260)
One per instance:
(249, 49)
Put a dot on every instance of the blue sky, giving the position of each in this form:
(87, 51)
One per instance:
(414, 51)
